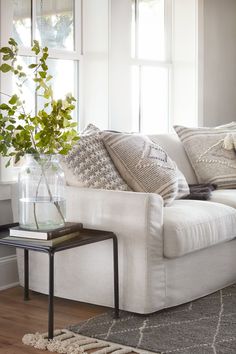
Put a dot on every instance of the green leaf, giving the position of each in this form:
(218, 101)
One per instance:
(32, 66)
(5, 68)
(12, 42)
(6, 57)
(4, 107)
(44, 67)
(36, 47)
(10, 127)
(6, 50)
(42, 74)
(13, 99)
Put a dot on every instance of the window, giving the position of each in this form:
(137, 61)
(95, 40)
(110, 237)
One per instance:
(151, 65)
(52, 23)
(163, 59)
(55, 24)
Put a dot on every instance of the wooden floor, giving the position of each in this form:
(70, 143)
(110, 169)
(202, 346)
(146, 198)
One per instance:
(18, 317)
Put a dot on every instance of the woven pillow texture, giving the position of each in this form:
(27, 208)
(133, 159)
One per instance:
(88, 164)
(145, 166)
(211, 160)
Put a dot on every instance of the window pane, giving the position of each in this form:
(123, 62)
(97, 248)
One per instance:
(151, 29)
(64, 80)
(55, 23)
(22, 22)
(154, 100)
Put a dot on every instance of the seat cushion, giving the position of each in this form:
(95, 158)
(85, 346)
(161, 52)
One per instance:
(191, 225)
(224, 196)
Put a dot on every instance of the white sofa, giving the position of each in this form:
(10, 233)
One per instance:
(167, 256)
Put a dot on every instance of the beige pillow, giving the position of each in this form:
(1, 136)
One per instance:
(211, 153)
(88, 164)
(145, 166)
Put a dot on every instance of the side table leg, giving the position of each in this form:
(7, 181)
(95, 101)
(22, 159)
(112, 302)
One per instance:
(116, 277)
(51, 296)
(26, 275)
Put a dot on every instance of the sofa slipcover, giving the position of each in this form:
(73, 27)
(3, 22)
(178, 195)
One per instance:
(149, 281)
(224, 196)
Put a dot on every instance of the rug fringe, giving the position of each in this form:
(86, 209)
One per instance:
(67, 342)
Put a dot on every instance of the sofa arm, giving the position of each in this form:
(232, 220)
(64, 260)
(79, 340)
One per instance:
(137, 220)
(136, 214)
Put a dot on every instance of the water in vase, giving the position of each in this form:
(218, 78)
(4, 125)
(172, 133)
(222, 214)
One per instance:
(42, 213)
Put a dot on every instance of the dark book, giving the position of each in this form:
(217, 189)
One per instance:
(68, 228)
(52, 242)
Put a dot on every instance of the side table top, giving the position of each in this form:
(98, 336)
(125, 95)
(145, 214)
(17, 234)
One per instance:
(86, 236)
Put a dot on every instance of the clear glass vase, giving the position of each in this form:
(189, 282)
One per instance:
(42, 203)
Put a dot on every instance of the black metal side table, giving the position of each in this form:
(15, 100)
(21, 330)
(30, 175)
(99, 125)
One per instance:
(86, 237)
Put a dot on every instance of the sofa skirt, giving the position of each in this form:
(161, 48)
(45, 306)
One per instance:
(85, 275)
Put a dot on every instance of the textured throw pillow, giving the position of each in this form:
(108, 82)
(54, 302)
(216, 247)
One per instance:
(145, 166)
(211, 152)
(88, 164)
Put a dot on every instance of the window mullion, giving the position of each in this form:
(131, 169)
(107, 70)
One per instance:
(33, 20)
(140, 111)
(136, 29)
(168, 30)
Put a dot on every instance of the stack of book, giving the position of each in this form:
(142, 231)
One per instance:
(46, 237)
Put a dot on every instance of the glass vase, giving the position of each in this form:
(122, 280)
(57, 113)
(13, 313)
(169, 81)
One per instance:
(42, 204)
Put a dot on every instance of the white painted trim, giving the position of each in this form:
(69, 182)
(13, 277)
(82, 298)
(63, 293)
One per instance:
(8, 286)
(8, 268)
(7, 259)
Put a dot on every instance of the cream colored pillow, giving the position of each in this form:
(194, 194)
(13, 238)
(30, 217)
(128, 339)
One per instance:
(211, 152)
(145, 166)
(88, 164)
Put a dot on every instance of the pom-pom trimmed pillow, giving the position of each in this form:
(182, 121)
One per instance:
(212, 153)
(145, 166)
(88, 164)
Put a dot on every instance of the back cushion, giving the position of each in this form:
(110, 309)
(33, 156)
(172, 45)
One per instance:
(145, 166)
(212, 153)
(175, 149)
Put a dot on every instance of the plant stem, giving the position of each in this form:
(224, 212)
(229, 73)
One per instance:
(51, 198)
(36, 195)
(35, 216)
(50, 195)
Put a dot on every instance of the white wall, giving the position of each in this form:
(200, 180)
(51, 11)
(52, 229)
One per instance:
(95, 63)
(120, 115)
(184, 58)
(219, 91)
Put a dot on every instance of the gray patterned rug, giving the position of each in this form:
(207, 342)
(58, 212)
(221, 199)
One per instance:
(204, 326)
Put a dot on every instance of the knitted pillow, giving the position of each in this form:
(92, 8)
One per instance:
(89, 165)
(211, 152)
(145, 166)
